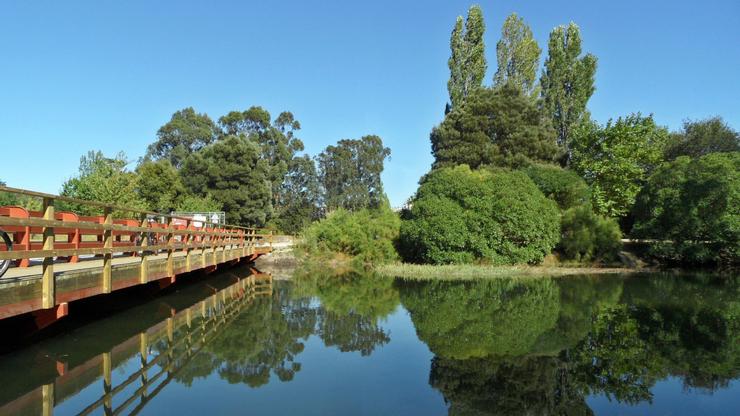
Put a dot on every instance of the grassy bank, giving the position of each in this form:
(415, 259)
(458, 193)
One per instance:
(421, 272)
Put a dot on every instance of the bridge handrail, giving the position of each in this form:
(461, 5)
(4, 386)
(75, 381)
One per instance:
(19, 191)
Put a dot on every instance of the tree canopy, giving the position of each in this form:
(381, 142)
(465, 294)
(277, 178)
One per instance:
(233, 174)
(694, 203)
(499, 126)
(567, 81)
(699, 138)
(185, 133)
(467, 61)
(350, 173)
(616, 159)
(518, 56)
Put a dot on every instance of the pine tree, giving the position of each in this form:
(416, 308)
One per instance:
(567, 81)
(467, 61)
(518, 56)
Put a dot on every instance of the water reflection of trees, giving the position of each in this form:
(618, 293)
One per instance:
(586, 336)
(268, 335)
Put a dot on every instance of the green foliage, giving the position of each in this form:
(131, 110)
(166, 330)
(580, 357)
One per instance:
(498, 126)
(277, 141)
(588, 236)
(350, 173)
(696, 205)
(561, 185)
(368, 234)
(518, 56)
(616, 159)
(102, 179)
(567, 81)
(299, 196)
(159, 185)
(194, 203)
(467, 61)
(185, 133)
(699, 138)
(460, 216)
(232, 172)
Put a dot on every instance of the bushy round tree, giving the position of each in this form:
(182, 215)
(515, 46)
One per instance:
(461, 215)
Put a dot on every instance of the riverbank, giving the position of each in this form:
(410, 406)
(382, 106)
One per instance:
(449, 271)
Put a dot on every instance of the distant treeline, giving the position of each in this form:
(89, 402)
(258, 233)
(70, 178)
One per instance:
(246, 164)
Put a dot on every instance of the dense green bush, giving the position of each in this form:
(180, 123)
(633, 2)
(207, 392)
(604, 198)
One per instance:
(563, 186)
(588, 236)
(459, 216)
(368, 234)
(695, 204)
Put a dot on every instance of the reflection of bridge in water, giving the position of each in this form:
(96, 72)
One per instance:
(177, 339)
(60, 256)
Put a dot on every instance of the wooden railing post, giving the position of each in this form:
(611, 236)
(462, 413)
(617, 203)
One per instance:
(187, 238)
(108, 256)
(170, 242)
(48, 283)
(144, 238)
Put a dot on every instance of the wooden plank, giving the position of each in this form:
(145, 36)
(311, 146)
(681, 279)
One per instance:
(48, 285)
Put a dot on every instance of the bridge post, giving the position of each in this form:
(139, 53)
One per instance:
(170, 242)
(108, 256)
(144, 238)
(48, 284)
(187, 238)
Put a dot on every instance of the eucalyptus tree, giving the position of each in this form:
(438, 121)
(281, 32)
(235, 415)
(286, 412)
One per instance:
(567, 81)
(518, 56)
(467, 61)
(702, 137)
(185, 133)
(350, 173)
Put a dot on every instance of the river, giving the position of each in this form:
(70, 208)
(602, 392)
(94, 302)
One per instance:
(322, 343)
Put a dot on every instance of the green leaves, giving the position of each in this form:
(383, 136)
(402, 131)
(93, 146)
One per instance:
(461, 216)
(499, 127)
(616, 159)
(567, 81)
(350, 173)
(467, 61)
(518, 56)
(696, 205)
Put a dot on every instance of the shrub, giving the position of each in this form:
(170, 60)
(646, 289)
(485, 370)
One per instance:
(695, 204)
(368, 235)
(562, 186)
(460, 216)
(587, 236)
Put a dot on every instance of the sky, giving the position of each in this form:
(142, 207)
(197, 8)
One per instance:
(105, 75)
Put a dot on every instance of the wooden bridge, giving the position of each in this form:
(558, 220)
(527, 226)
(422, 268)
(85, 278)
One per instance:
(59, 256)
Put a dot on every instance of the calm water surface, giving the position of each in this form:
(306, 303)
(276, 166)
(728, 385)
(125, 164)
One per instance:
(356, 344)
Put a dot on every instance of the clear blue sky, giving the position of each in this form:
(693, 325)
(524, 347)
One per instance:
(82, 75)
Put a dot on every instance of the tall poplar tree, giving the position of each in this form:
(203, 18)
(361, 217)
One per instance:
(467, 61)
(518, 56)
(567, 81)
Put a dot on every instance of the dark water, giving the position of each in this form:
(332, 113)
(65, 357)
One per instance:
(356, 344)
